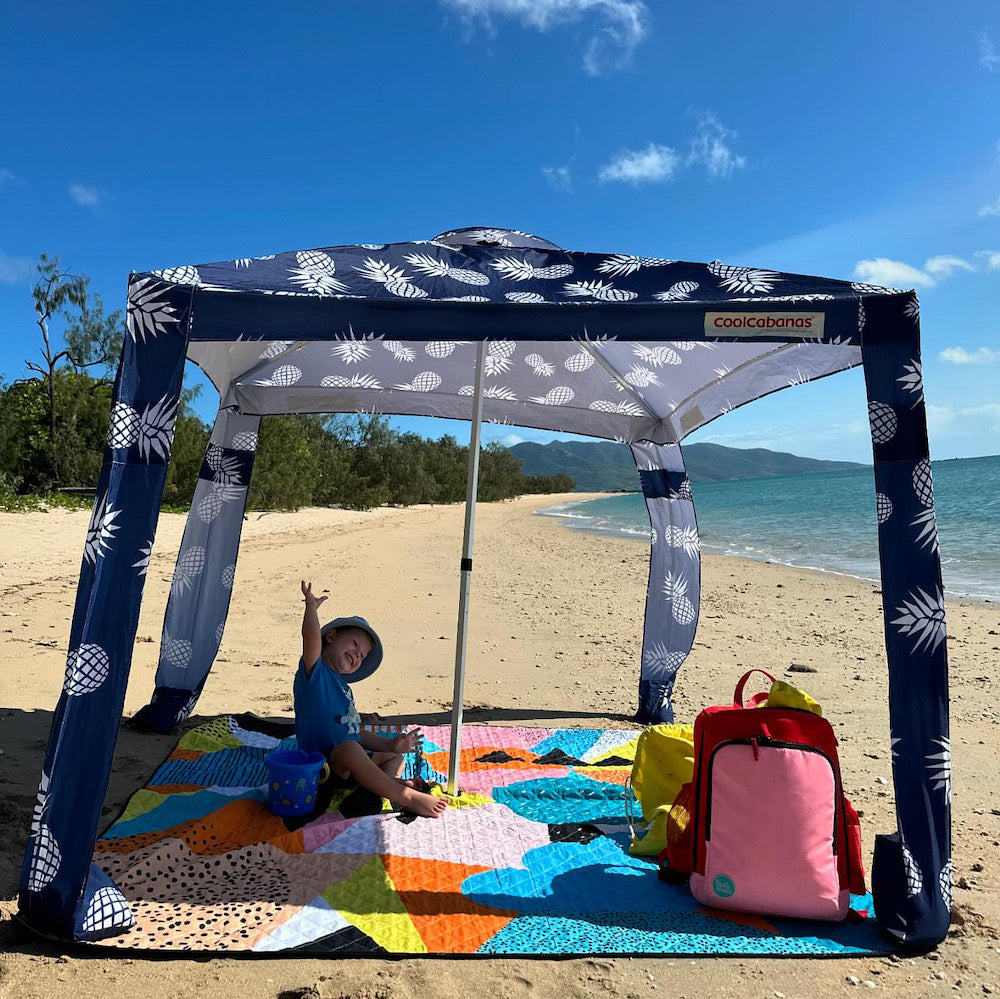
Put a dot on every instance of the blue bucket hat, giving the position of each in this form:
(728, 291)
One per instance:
(373, 660)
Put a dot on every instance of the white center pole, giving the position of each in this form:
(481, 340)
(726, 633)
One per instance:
(466, 572)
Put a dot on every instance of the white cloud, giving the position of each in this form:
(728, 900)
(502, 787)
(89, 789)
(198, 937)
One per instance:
(711, 148)
(619, 24)
(559, 178)
(643, 166)
(991, 258)
(959, 355)
(988, 57)
(975, 422)
(8, 177)
(13, 270)
(945, 265)
(511, 439)
(897, 274)
(990, 209)
(89, 197)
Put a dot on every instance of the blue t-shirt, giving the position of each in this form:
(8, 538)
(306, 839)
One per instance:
(325, 715)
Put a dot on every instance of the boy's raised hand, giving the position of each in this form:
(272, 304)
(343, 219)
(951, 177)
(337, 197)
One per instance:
(312, 602)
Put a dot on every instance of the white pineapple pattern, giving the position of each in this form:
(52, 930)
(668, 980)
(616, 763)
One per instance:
(219, 630)
(884, 422)
(495, 237)
(722, 371)
(677, 292)
(176, 652)
(640, 377)
(357, 380)
(675, 593)
(659, 658)
(861, 315)
(87, 667)
(210, 506)
(426, 381)
(190, 564)
(657, 356)
(399, 351)
(148, 313)
(693, 344)
(863, 288)
(228, 576)
(914, 878)
(100, 531)
(315, 273)
(517, 269)
(107, 910)
(180, 275)
(283, 376)
(245, 440)
(350, 350)
(123, 431)
(275, 349)
(939, 766)
(883, 507)
(924, 522)
(922, 486)
(912, 381)
(558, 396)
(748, 280)
(45, 855)
(188, 707)
(623, 264)
(156, 428)
(599, 291)
(540, 366)
(625, 408)
(944, 884)
(922, 615)
(432, 267)
(439, 349)
(912, 309)
(498, 357)
(578, 363)
(684, 538)
(491, 392)
(144, 555)
(394, 278)
(465, 298)
(225, 468)
(524, 297)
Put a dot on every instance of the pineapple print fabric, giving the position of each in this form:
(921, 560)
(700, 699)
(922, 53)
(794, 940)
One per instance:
(531, 859)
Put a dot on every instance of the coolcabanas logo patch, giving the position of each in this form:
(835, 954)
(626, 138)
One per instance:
(799, 324)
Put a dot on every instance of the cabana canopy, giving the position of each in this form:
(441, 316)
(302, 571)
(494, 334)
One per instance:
(638, 349)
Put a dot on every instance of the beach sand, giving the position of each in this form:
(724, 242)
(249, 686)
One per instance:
(555, 635)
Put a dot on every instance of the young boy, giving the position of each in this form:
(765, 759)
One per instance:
(326, 720)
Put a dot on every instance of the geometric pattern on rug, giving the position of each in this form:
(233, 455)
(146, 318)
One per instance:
(530, 859)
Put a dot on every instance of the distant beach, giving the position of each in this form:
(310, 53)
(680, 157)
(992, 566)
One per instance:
(826, 521)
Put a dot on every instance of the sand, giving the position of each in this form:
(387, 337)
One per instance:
(555, 633)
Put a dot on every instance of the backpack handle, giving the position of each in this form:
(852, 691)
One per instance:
(738, 695)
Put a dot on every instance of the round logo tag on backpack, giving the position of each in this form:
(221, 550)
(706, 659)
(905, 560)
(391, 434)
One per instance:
(723, 886)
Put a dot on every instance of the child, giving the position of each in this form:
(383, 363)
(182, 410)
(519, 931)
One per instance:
(326, 720)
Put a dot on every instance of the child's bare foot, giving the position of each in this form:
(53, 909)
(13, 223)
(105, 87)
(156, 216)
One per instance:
(422, 804)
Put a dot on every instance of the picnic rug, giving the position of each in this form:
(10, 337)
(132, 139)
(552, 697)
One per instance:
(532, 858)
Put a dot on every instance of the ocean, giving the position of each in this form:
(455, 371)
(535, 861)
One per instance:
(826, 521)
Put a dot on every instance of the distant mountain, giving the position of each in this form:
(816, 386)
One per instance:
(605, 466)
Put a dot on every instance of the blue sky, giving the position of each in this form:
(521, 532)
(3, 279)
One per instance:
(859, 141)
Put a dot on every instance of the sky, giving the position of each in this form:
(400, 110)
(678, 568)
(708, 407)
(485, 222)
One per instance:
(859, 142)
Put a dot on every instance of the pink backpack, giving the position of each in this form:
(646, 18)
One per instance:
(768, 828)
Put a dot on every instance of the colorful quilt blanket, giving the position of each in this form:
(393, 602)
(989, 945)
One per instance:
(531, 858)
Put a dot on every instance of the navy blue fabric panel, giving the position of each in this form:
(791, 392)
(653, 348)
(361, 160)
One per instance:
(166, 707)
(654, 703)
(227, 466)
(912, 871)
(116, 553)
(661, 483)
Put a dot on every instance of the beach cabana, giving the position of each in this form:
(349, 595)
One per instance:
(497, 325)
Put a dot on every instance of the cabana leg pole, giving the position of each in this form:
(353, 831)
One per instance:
(466, 573)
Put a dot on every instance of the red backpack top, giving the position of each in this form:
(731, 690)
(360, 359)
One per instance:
(768, 828)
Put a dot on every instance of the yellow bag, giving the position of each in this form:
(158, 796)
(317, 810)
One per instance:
(664, 761)
(784, 695)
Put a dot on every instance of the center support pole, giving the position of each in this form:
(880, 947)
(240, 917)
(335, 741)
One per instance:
(465, 585)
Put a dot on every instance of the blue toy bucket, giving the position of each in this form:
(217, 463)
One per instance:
(293, 777)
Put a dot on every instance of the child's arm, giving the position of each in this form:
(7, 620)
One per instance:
(312, 640)
(405, 742)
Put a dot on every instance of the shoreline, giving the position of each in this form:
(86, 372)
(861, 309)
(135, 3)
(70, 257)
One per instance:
(554, 640)
(569, 522)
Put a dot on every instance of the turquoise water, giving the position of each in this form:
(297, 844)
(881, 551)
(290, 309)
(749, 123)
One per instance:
(827, 521)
